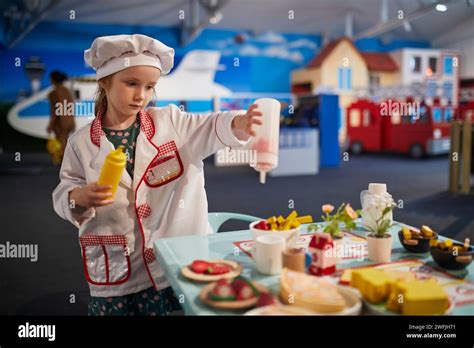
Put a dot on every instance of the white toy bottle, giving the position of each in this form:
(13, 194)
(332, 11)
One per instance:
(266, 141)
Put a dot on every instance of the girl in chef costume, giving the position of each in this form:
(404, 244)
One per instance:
(161, 193)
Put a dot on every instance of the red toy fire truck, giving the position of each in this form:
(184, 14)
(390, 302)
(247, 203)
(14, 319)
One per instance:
(394, 126)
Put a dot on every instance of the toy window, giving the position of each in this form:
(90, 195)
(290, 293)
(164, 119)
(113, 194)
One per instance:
(354, 118)
(437, 115)
(374, 80)
(423, 116)
(448, 114)
(366, 118)
(448, 65)
(415, 64)
(448, 90)
(432, 64)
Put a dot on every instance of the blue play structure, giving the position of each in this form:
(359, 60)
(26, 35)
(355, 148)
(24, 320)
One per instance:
(328, 110)
(321, 112)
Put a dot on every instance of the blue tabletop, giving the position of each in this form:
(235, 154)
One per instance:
(175, 253)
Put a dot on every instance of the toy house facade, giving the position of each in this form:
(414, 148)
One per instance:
(433, 71)
(341, 68)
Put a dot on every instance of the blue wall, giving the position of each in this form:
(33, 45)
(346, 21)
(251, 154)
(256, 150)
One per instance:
(265, 61)
(376, 45)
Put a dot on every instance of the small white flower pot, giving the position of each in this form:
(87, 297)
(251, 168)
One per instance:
(380, 249)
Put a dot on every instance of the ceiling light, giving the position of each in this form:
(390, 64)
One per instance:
(441, 8)
(407, 25)
(215, 18)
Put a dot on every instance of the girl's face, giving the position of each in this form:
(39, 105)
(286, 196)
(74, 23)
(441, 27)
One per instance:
(131, 89)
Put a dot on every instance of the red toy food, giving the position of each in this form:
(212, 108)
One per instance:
(263, 225)
(265, 299)
(216, 268)
(242, 289)
(223, 291)
(239, 289)
(200, 266)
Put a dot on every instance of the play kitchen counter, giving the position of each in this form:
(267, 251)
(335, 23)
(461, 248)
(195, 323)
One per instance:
(176, 253)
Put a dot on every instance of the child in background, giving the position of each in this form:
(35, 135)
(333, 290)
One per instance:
(62, 124)
(161, 192)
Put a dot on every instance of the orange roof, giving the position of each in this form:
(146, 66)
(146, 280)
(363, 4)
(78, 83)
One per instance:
(379, 61)
(375, 61)
(319, 59)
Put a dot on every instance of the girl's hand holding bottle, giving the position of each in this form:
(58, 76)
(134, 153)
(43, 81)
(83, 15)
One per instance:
(91, 195)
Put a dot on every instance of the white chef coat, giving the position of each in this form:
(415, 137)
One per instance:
(117, 240)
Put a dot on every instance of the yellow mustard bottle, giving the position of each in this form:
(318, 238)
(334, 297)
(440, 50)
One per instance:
(113, 168)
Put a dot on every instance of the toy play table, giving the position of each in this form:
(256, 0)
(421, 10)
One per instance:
(175, 253)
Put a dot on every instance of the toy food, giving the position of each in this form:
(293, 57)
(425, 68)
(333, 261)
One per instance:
(426, 231)
(222, 291)
(280, 223)
(449, 255)
(417, 240)
(373, 284)
(204, 267)
(239, 289)
(302, 290)
(402, 292)
(418, 297)
(266, 299)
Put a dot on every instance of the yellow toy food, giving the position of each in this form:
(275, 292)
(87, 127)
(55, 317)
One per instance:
(291, 221)
(112, 169)
(427, 231)
(402, 292)
(406, 233)
(446, 244)
(418, 297)
(373, 284)
(424, 232)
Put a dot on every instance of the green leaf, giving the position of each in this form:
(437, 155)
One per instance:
(387, 210)
(350, 225)
(384, 226)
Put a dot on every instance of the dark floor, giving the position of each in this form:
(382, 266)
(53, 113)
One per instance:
(48, 285)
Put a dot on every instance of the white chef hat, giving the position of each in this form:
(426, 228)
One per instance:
(110, 54)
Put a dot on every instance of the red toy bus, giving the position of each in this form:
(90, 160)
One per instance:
(391, 126)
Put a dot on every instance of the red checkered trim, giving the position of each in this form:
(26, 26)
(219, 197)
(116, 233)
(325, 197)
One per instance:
(167, 148)
(146, 125)
(94, 240)
(143, 211)
(96, 129)
(149, 255)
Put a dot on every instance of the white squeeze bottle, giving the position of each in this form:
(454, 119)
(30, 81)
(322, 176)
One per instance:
(266, 141)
